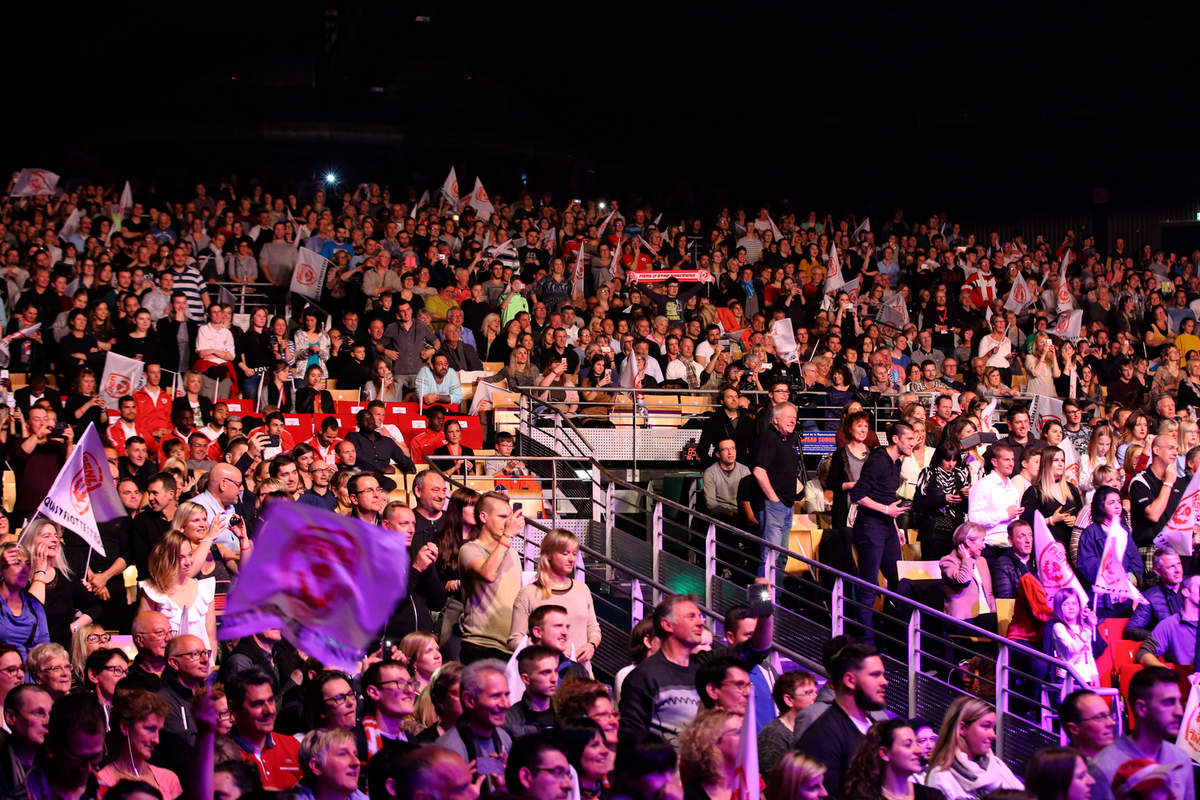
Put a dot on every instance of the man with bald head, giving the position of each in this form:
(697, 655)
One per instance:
(225, 484)
(187, 670)
(151, 632)
(427, 773)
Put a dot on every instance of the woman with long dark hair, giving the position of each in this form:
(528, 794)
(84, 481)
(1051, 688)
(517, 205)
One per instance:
(940, 501)
(1058, 773)
(845, 468)
(884, 763)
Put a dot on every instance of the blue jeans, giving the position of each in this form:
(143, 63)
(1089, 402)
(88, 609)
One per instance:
(775, 526)
(250, 384)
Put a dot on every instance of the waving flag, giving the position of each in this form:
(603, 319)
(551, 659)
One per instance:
(424, 199)
(578, 272)
(84, 494)
(32, 182)
(480, 202)
(835, 266)
(1053, 567)
(604, 224)
(785, 340)
(1063, 298)
(894, 313)
(121, 376)
(1045, 408)
(1111, 578)
(1189, 730)
(450, 188)
(987, 415)
(1177, 533)
(775, 232)
(516, 686)
(746, 780)
(70, 227)
(865, 225)
(309, 275)
(1020, 298)
(330, 582)
(1069, 325)
(126, 203)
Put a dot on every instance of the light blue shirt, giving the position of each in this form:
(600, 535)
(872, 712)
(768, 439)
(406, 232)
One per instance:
(213, 506)
(427, 383)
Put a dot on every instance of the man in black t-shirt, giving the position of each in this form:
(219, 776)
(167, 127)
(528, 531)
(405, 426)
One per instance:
(1154, 494)
(777, 467)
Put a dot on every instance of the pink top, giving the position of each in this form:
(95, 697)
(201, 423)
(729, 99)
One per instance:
(167, 781)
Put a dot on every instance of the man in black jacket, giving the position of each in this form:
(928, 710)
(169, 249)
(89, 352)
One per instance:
(26, 709)
(186, 672)
(859, 686)
(730, 421)
(426, 591)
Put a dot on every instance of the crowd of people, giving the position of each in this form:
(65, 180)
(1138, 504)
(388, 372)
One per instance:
(481, 683)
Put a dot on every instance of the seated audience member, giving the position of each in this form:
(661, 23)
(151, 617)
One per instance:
(1058, 773)
(504, 464)
(886, 764)
(963, 765)
(252, 701)
(1088, 722)
(479, 732)
(537, 666)
(1174, 639)
(792, 692)
(1163, 599)
(708, 752)
(329, 765)
(137, 716)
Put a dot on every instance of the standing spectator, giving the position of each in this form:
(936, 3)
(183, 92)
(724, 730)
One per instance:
(993, 501)
(845, 469)
(1154, 494)
(555, 585)
(1157, 709)
(859, 686)
(876, 537)
(73, 748)
(190, 283)
(36, 454)
(776, 469)
(415, 343)
(491, 579)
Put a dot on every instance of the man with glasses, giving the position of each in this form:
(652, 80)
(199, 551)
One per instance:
(321, 494)
(12, 669)
(367, 497)
(724, 683)
(1088, 722)
(26, 714)
(225, 484)
(538, 769)
(188, 667)
(151, 630)
(1074, 428)
(390, 694)
(71, 753)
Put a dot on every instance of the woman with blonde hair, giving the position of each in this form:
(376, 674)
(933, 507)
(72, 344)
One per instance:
(963, 766)
(84, 642)
(1101, 450)
(1053, 495)
(438, 707)
(421, 653)
(171, 589)
(797, 777)
(1041, 367)
(489, 338)
(49, 666)
(556, 585)
(966, 579)
(1189, 437)
(67, 602)
(708, 750)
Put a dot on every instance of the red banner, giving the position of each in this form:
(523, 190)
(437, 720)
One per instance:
(681, 275)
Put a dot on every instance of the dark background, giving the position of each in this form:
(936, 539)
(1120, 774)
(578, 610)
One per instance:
(836, 106)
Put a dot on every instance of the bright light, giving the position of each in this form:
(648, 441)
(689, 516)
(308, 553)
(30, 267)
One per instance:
(602, 204)
(330, 177)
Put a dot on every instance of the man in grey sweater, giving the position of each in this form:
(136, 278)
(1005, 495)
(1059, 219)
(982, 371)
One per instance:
(415, 342)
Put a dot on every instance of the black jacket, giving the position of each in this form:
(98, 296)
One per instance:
(177, 739)
(831, 741)
(426, 593)
(719, 426)
(168, 331)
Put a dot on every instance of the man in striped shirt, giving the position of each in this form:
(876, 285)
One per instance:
(189, 281)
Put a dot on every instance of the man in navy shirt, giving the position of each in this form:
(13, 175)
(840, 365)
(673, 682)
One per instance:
(875, 534)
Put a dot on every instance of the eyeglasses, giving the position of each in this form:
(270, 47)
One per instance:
(562, 773)
(158, 634)
(346, 698)
(371, 490)
(99, 638)
(13, 671)
(401, 686)
(740, 686)
(239, 484)
(224, 715)
(58, 669)
(1104, 715)
(195, 655)
(117, 670)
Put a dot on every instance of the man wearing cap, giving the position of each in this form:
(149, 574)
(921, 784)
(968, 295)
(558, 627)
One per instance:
(1137, 777)
(1157, 707)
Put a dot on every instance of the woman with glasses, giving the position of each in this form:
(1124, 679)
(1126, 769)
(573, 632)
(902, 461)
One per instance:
(331, 701)
(171, 589)
(390, 694)
(139, 716)
(12, 670)
(224, 715)
(708, 752)
(49, 666)
(22, 618)
(84, 642)
(103, 670)
(68, 603)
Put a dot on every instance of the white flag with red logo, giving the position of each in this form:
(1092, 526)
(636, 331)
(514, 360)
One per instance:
(1177, 533)
(480, 201)
(450, 188)
(1044, 408)
(785, 340)
(1053, 567)
(746, 780)
(894, 313)
(1069, 325)
(1064, 299)
(775, 232)
(835, 266)
(603, 225)
(987, 416)
(32, 182)
(309, 275)
(1189, 730)
(84, 493)
(1111, 577)
(578, 276)
(420, 203)
(329, 582)
(1020, 298)
(70, 227)
(126, 203)
(122, 376)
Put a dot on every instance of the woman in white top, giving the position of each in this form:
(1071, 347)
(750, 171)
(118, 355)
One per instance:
(382, 385)
(1100, 451)
(963, 766)
(911, 466)
(187, 603)
(556, 585)
(1072, 634)
(1041, 367)
(996, 348)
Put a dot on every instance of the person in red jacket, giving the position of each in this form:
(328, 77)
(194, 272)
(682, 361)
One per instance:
(128, 425)
(154, 405)
(252, 699)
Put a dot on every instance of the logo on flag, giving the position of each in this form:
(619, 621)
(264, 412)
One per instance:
(894, 313)
(309, 275)
(1020, 298)
(450, 187)
(1069, 325)
(329, 582)
(121, 376)
(31, 182)
(83, 495)
(1177, 533)
(1189, 730)
(1053, 567)
(1044, 409)
(480, 202)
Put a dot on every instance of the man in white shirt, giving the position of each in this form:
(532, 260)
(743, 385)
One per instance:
(995, 501)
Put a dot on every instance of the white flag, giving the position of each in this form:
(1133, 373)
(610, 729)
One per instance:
(126, 204)
(615, 267)
(1069, 325)
(1044, 408)
(865, 225)
(309, 275)
(516, 686)
(987, 415)
(70, 227)
(122, 376)
(84, 494)
(424, 199)
(578, 276)
(31, 182)
(894, 313)
(785, 340)
(1177, 533)
(849, 287)
(480, 202)
(329, 582)
(604, 224)
(1063, 298)
(1189, 730)
(1053, 567)
(1020, 298)
(745, 774)
(1111, 578)
(774, 229)
(450, 188)
(835, 266)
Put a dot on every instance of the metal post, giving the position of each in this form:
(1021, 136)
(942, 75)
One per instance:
(656, 544)
(554, 490)
(610, 506)
(914, 660)
(710, 562)
(837, 610)
(1001, 698)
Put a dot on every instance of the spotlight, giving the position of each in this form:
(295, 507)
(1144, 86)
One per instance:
(330, 178)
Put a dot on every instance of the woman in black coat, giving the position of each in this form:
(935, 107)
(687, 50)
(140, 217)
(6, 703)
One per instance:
(314, 390)
(940, 502)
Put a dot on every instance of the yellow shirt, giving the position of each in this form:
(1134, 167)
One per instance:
(1186, 342)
